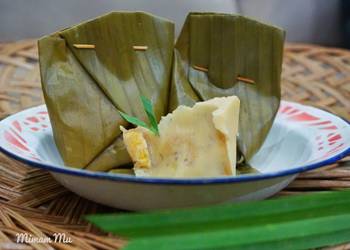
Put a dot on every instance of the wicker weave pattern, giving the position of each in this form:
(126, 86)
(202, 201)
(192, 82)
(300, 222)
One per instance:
(317, 76)
(19, 78)
(31, 201)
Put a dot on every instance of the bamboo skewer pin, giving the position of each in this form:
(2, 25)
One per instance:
(244, 79)
(84, 46)
(140, 48)
(200, 68)
(239, 78)
(92, 46)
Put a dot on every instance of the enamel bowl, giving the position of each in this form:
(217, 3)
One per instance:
(302, 138)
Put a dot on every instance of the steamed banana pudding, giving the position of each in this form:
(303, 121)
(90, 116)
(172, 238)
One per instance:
(192, 142)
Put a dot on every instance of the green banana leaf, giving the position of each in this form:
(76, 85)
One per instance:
(231, 46)
(85, 88)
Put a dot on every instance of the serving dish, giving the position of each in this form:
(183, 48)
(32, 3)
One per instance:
(302, 138)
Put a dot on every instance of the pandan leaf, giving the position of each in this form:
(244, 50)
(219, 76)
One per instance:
(298, 222)
(133, 120)
(147, 105)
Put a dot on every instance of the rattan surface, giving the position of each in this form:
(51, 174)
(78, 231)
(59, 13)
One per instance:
(31, 201)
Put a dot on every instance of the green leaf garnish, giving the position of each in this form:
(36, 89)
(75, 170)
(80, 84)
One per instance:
(133, 120)
(297, 222)
(147, 105)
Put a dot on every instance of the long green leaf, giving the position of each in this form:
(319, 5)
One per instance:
(292, 235)
(295, 222)
(193, 219)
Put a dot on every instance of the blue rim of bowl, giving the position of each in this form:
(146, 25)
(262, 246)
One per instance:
(181, 181)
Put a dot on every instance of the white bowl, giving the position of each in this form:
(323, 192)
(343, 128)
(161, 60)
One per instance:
(302, 138)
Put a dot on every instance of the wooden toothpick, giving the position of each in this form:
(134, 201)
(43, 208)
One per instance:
(84, 46)
(244, 79)
(239, 78)
(140, 48)
(200, 68)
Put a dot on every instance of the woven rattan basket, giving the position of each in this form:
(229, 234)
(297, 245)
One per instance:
(32, 202)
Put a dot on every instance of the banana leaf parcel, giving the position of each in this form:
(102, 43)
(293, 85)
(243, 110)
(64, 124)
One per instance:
(91, 71)
(223, 55)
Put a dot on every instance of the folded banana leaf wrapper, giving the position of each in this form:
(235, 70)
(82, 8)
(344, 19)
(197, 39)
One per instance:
(91, 71)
